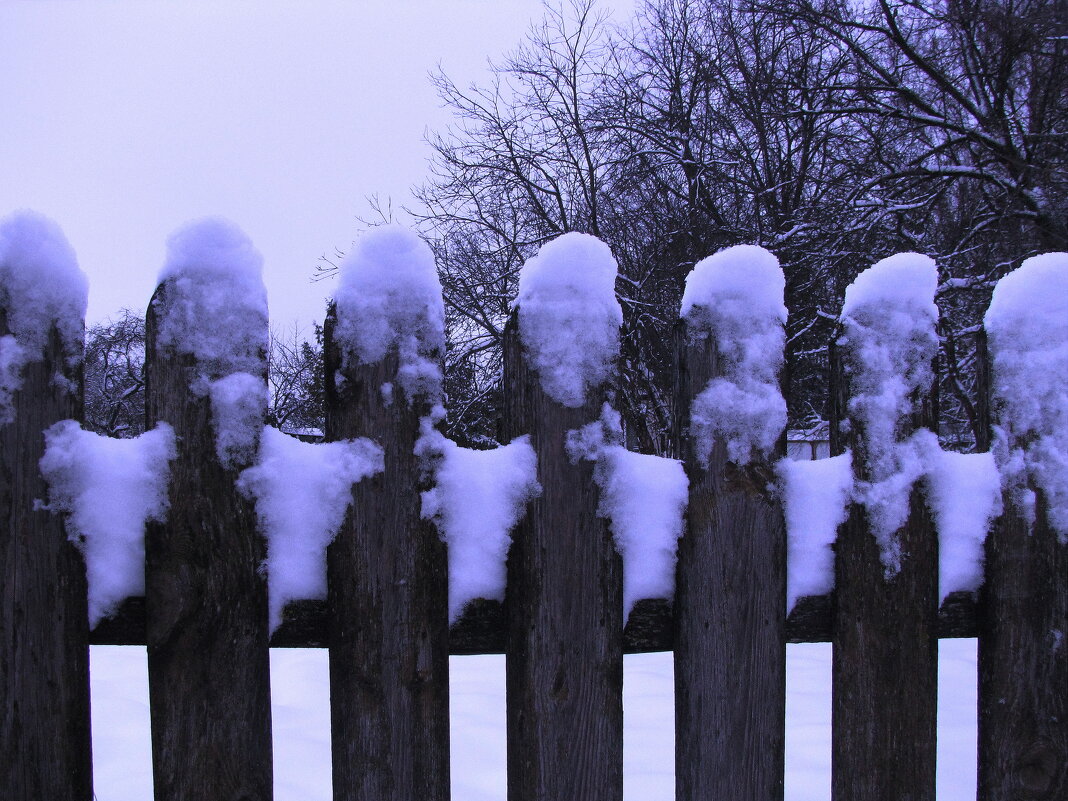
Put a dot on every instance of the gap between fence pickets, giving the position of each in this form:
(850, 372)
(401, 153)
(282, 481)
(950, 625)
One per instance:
(481, 628)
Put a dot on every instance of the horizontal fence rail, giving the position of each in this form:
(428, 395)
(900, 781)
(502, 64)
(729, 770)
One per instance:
(560, 600)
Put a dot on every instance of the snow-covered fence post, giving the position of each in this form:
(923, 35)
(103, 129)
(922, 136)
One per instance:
(205, 592)
(886, 557)
(387, 579)
(564, 597)
(44, 653)
(730, 597)
(1023, 653)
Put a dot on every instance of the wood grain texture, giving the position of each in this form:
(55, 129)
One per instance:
(205, 606)
(730, 613)
(388, 603)
(1023, 650)
(45, 747)
(885, 656)
(565, 611)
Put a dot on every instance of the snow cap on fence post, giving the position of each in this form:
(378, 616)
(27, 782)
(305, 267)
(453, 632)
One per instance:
(569, 317)
(215, 309)
(889, 342)
(390, 295)
(41, 286)
(1027, 326)
(736, 297)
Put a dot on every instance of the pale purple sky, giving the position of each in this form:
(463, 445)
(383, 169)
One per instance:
(124, 119)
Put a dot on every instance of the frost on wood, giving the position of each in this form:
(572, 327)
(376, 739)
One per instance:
(215, 309)
(644, 499)
(1027, 325)
(963, 492)
(109, 489)
(41, 286)
(390, 295)
(302, 491)
(569, 317)
(888, 343)
(478, 498)
(816, 497)
(736, 297)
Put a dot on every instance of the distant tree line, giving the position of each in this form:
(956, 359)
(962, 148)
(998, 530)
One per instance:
(833, 133)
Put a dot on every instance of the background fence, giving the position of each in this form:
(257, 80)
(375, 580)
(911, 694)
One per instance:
(204, 615)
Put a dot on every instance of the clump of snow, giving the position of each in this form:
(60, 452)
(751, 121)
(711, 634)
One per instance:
(736, 297)
(238, 406)
(41, 286)
(302, 491)
(816, 496)
(888, 343)
(478, 498)
(216, 310)
(1027, 324)
(569, 317)
(964, 496)
(644, 498)
(109, 488)
(390, 295)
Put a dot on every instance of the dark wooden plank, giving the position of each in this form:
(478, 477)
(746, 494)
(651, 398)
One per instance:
(387, 578)
(730, 612)
(565, 610)
(1023, 653)
(206, 605)
(45, 748)
(481, 629)
(884, 671)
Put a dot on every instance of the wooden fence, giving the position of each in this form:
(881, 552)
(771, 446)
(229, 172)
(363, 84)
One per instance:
(204, 620)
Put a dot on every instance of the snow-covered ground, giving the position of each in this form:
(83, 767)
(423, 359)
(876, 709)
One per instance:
(122, 755)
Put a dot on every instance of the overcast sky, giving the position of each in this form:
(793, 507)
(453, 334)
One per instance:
(124, 119)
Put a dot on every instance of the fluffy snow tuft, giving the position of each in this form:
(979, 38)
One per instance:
(41, 286)
(238, 406)
(644, 499)
(216, 311)
(478, 498)
(816, 496)
(736, 297)
(390, 295)
(109, 488)
(1027, 324)
(569, 317)
(302, 491)
(888, 342)
(963, 492)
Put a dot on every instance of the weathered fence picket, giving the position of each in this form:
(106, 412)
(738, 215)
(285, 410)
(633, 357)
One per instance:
(884, 666)
(205, 595)
(564, 609)
(388, 599)
(384, 618)
(44, 653)
(730, 644)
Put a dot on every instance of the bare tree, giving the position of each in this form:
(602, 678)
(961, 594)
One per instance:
(115, 376)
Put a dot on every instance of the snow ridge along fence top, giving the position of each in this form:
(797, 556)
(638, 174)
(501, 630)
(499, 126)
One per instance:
(383, 612)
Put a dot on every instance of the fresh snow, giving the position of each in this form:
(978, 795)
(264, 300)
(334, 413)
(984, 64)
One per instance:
(644, 498)
(1027, 325)
(888, 342)
(390, 295)
(816, 496)
(569, 317)
(216, 311)
(41, 286)
(301, 724)
(478, 497)
(736, 297)
(302, 491)
(108, 489)
(963, 492)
